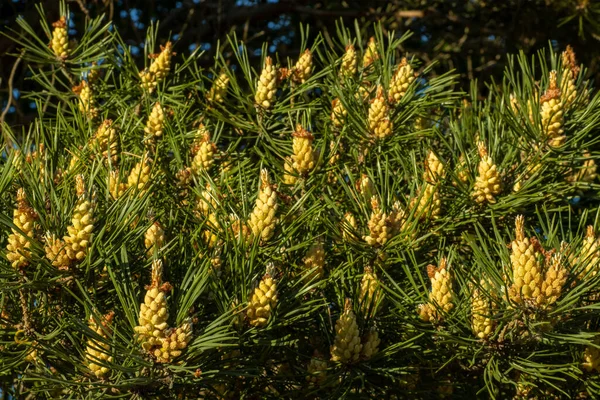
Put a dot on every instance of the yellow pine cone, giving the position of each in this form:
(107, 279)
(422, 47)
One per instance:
(338, 113)
(205, 151)
(156, 122)
(552, 112)
(379, 121)
(370, 345)
(267, 85)
(371, 53)
(462, 171)
(434, 169)
(304, 157)
(481, 311)
(304, 67)
(115, 186)
(349, 64)
(365, 187)
(56, 252)
(487, 183)
(240, 230)
(159, 68)
(154, 238)
(82, 223)
(105, 141)
(219, 88)
(440, 297)
(139, 176)
(383, 226)
(60, 38)
(370, 294)
(314, 260)
(526, 268)
(148, 81)
(262, 219)
(154, 312)
(317, 370)
(349, 226)
(97, 353)
(211, 230)
(87, 103)
(587, 173)
(290, 176)
(206, 202)
(570, 73)
(262, 302)
(591, 358)
(19, 241)
(174, 342)
(554, 279)
(428, 203)
(589, 256)
(401, 81)
(346, 347)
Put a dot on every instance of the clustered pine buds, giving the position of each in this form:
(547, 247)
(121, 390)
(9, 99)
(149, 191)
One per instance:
(139, 177)
(156, 121)
(552, 112)
(304, 67)
(591, 358)
(97, 353)
(154, 238)
(428, 203)
(487, 184)
(338, 113)
(267, 85)
(19, 241)
(401, 81)
(262, 302)
(314, 260)
(371, 53)
(204, 152)
(60, 38)
(370, 294)
(82, 224)
(106, 142)
(304, 157)
(380, 125)
(440, 297)
(262, 219)
(570, 72)
(153, 331)
(219, 88)
(317, 370)
(347, 345)
(589, 258)
(349, 62)
(87, 102)
(115, 187)
(370, 345)
(383, 226)
(159, 68)
(481, 311)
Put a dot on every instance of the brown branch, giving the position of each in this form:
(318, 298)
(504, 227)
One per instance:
(10, 94)
(82, 7)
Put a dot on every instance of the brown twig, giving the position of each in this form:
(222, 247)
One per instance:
(10, 93)
(83, 8)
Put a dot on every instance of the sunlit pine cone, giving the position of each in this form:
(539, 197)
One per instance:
(19, 240)
(370, 294)
(338, 113)
(365, 187)
(174, 342)
(211, 230)
(148, 80)
(304, 157)
(348, 68)
(570, 72)
(87, 103)
(526, 268)
(106, 141)
(349, 226)
(97, 353)
(462, 171)
(591, 358)
(267, 85)
(115, 186)
(205, 151)
(552, 113)
(481, 311)
(154, 238)
(380, 125)
(206, 201)
(184, 177)
(156, 122)
(440, 297)
(588, 171)
(139, 177)
(370, 345)
(262, 302)
(60, 38)
(56, 252)
(589, 256)
(290, 176)
(401, 81)
(488, 183)
(262, 219)
(218, 91)
(304, 67)
(347, 346)
(434, 169)
(428, 202)
(154, 312)
(371, 53)
(317, 370)
(82, 223)
(554, 279)
(380, 227)
(314, 260)
(161, 65)
(240, 230)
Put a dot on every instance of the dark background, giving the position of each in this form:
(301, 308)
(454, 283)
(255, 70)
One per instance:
(470, 36)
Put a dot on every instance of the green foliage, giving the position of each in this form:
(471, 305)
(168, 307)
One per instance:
(247, 193)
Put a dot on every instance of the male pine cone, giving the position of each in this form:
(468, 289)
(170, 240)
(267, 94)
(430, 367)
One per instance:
(526, 267)
(82, 223)
(267, 85)
(347, 346)
(262, 219)
(304, 157)
(487, 183)
(262, 302)
(60, 38)
(379, 121)
(401, 81)
(97, 352)
(440, 297)
(19, 241)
